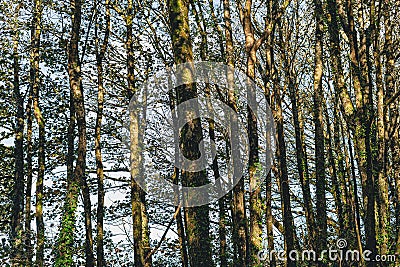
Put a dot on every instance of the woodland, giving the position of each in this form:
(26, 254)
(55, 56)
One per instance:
(329, 70)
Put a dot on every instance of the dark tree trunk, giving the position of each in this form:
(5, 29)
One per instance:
(100, 53)
(321, 221)
(29, 179)
(239, 229)
(196, 218)
(18, 186)
(77, 178)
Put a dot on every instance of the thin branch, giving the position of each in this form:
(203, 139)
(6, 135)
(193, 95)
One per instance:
(165, 234)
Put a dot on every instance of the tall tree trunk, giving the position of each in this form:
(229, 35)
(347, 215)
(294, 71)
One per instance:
(347, 109)
(380, 159)
(368, 132)
(255, 191)
(321, 222)
(389, 104)
(77, 179)
(196, 218)
(392, 137)
(211, 129)
(18, 186)
(283, 176)
(74, 69)
(138, 203)
(99, 161)
(288, 224)
(35, 59)
(29, 178)
(268, 84)
(175, 180)
(239, 229)
(268, 180)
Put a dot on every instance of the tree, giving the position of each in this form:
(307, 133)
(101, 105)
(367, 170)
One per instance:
(77, 179)
(35, 83)
(100, 49)
(196, 218)
(18, 187)
(321, 221)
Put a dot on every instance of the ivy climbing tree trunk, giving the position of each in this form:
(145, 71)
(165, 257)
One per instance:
(29, 179)
(359, 116)
(18, 186)
(321, 222)
(77, 179)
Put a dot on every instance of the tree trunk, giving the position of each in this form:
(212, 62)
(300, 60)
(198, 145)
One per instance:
(239, 229)
(29, 178)
(255, 191)
(268, 84)
(288, 224)
(283, 177)
(196, 218)
(175, 180)
(138, 203)
(321, 222)
(18, 186)
(359, 118)
(35, 58)
(392, 124)
(211, 129)
(348, 110)
(301, 157)
(381, 145)
(101, 262)
(76, 179)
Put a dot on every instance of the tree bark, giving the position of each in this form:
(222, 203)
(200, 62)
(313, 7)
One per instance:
(35, 59)
(239, 229)
(282, 172)
(138, 203)
(77, 179)
(359, 117)
(100, 53)
(29, 179)
(255, 191)
(18, 186)
(175, 180)
(196, 218)
(211, 130)
(321, 220)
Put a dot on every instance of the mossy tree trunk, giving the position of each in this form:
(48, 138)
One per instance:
(35, 59)
(197, 220)
(17, 253)
(76, 179)
(321, 220)
(138, 202)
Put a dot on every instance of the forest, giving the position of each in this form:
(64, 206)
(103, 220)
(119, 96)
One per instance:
(199, 133)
